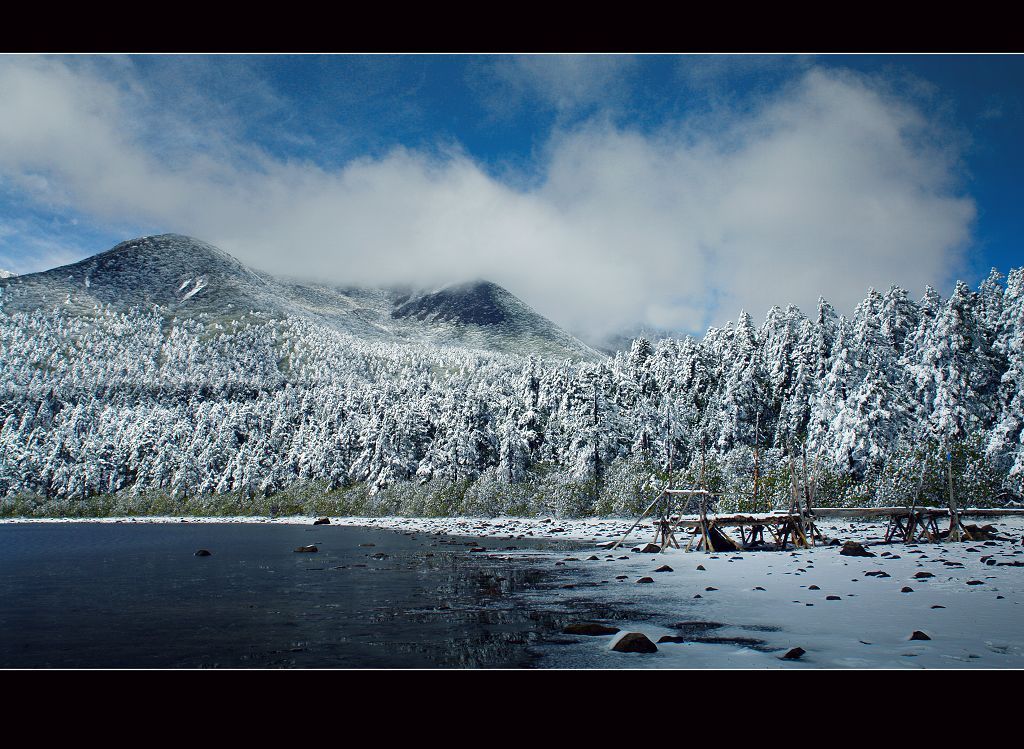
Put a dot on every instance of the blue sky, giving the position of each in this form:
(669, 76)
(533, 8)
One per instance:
(610, 192)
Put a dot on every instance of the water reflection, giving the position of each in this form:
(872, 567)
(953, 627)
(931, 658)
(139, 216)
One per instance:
(133, 595)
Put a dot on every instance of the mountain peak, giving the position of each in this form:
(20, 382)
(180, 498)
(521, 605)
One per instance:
(471, 303)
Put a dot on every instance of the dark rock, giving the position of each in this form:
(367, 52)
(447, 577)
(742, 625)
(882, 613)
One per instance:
(854, 549)
(322, 521)
(794, 654)
(813, 587)
(202, 553)
(919, 635)
(664, 568)
(923, 575)
(306, 549)
(367, 545)
(646, 580)
(709, 588)
(650, 549)
(634, 642)
(975, 582)
(906, 589)
(671, 638)
(478, 548)
(833, 598)
(592, 629)
(877, 573)
(701, 567)
(937, 606)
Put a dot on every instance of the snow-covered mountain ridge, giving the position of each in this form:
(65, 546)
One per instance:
(189, 277)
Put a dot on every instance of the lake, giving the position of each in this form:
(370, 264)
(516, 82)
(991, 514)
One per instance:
(134, 595)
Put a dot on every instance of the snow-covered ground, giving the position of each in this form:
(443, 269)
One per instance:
(758, 605)
(767, 602)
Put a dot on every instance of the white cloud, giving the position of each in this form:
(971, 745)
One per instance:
(828, 187)
(566, 83)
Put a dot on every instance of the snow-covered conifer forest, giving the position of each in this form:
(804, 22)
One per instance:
(171, 408)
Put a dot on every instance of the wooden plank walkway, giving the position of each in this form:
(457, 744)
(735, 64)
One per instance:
(885, 512)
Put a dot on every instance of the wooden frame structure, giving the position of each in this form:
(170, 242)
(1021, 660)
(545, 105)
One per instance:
(706, 530)
(908, 525)
(914, 525)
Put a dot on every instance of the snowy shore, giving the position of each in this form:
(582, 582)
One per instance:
(745, 609)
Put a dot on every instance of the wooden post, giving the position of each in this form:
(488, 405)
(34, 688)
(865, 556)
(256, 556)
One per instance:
(671, 449)
(702, 467)
(954, 517)
(757, 431)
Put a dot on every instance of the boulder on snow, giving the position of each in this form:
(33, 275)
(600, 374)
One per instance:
(646, 580)
(592, 629)
(793, 654)
(919, 635)
(854, 549)
(202, 553)
(322, 521)
(664, 568)
(634, 642)
(306, 549)
(650, 549)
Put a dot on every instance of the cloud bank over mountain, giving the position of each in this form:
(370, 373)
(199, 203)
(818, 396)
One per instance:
(832, 184)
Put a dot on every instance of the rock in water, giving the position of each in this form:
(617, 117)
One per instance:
(634, 642)
(306, 549)
(202, 553)
(794, 654)
(322, 521)
(919, 635)
(646, 580)
(854, 549)
(592, 629)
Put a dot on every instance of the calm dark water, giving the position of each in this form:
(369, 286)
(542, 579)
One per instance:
(133, 595)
